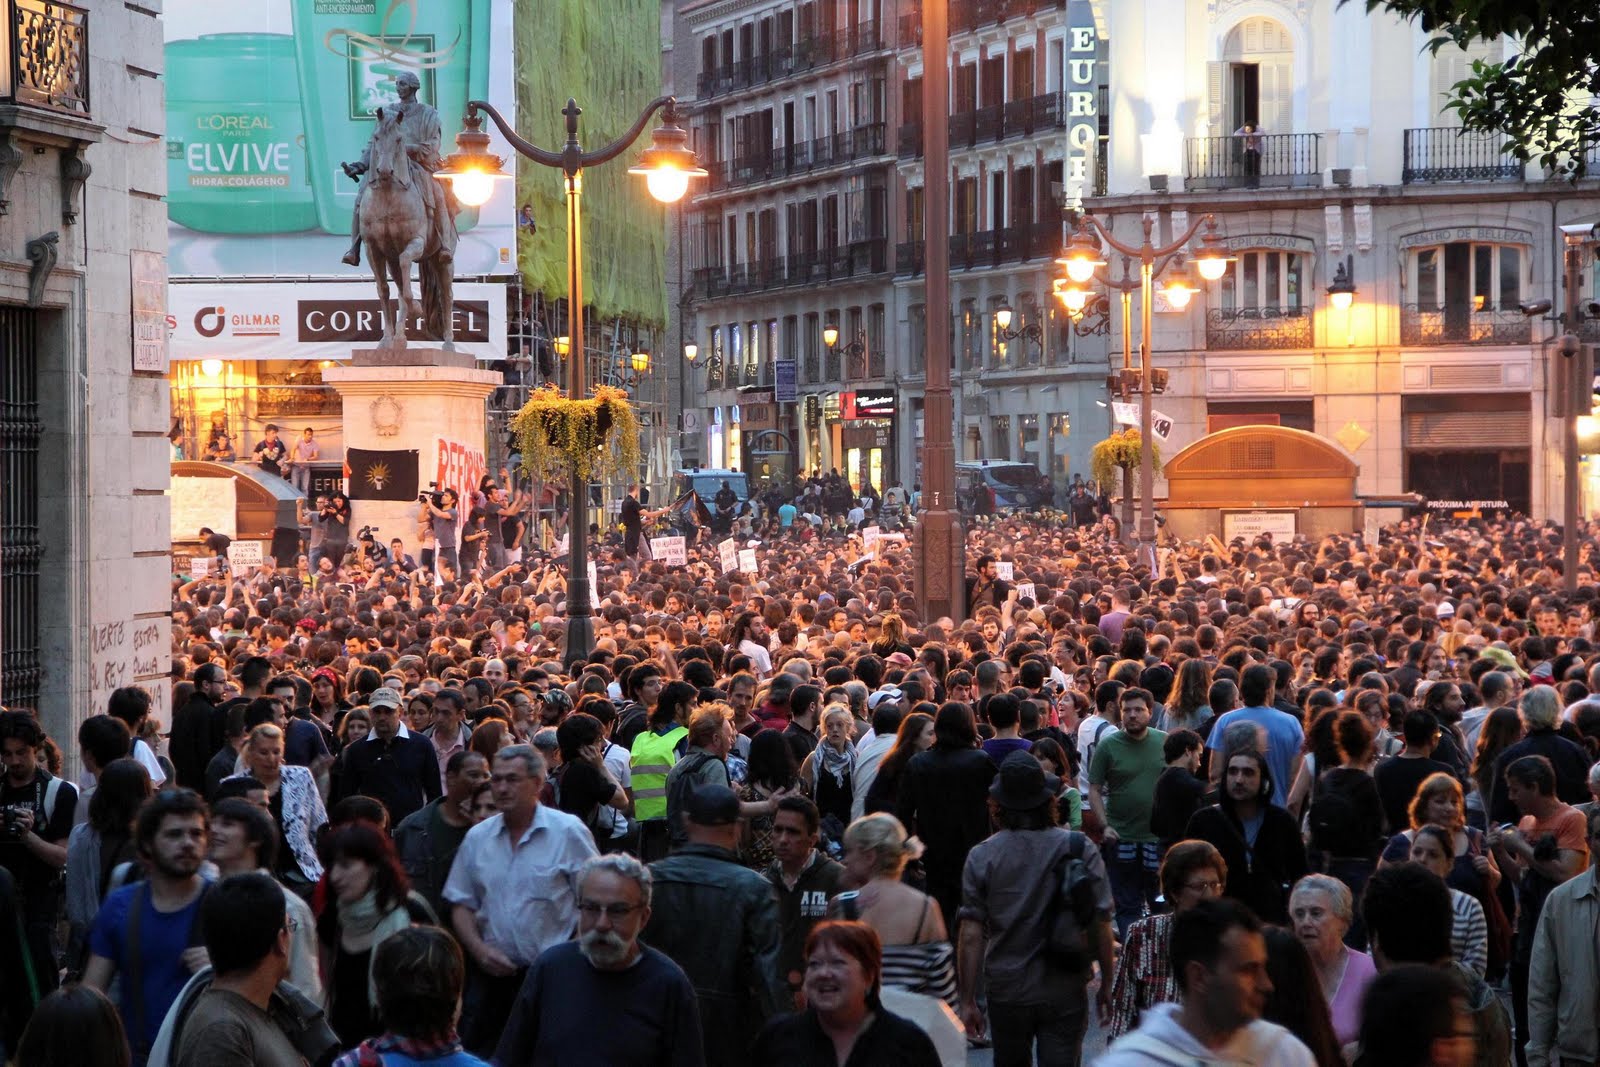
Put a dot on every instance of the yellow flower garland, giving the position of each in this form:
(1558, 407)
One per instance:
(594, 438)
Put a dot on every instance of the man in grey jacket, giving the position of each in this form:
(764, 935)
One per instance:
(1563, 1025)
(427, 839)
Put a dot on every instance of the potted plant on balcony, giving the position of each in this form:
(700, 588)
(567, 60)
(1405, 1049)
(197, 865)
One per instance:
(1120, 452)
(593, 438)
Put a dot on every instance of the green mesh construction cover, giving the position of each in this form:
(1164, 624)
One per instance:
(607, 55)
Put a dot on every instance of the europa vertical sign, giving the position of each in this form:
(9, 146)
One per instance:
(1083, 96)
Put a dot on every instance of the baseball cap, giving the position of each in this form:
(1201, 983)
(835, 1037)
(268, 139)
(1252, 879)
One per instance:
(713, 805)
(881, 695)
(384, 698)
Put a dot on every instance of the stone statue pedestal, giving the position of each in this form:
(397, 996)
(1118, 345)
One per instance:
(427, 399)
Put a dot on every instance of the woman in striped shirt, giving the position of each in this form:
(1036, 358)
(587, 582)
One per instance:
(1432, 847)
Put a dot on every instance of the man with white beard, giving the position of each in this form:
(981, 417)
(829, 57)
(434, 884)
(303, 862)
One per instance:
(567, 1011)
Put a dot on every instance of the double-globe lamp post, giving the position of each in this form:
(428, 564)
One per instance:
(667, 165)
(1082, 260)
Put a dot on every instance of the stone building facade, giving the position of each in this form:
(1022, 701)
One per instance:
(85, 581)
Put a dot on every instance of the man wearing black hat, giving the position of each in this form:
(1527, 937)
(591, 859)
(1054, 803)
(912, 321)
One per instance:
(718, 920)
(1012, 896)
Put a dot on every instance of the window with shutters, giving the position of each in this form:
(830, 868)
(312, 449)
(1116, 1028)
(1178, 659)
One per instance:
(1254, 82)
(1452, 65)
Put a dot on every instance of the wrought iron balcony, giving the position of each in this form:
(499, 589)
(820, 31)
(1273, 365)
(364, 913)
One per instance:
(967, 16)
(1451, 154)
(1264, 328)
(1285, 161)
(1461, 324)
(847, 146)
(816, 51)
(855, 260)
(986, 248)
(49, 56)
(987, 125)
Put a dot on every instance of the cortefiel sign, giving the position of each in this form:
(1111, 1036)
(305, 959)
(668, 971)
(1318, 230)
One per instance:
(314, 320)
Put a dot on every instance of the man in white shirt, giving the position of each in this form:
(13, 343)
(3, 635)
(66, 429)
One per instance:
(1097, 727)
(886, 716)
(512, 892)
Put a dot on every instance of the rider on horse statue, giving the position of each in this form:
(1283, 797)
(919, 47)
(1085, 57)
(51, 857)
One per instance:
(419, 125)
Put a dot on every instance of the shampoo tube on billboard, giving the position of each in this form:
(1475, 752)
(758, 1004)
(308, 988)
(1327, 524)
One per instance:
(349, 54)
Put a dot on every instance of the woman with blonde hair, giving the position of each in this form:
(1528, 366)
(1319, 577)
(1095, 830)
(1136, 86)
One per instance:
(294, 803)
(828, 773)
(917, 954)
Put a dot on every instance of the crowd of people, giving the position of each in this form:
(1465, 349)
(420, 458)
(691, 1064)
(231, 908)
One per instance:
(1300, 803)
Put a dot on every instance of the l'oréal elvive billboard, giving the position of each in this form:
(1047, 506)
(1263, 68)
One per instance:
(265, 100)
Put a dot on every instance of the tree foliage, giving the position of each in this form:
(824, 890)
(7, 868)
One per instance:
(1541, 99)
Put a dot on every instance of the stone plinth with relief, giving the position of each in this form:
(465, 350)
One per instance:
(425, 399)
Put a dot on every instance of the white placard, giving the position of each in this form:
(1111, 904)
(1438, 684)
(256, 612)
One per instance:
(243, 555)
(728, 552)
(199, 568)
(1252, 524)
(1005, 571)
(747, 560)
(1160, 425)
(869, 539)
(1025, 589)
(1369, 531)
(673, 551)
(1126, 414)
(594, 582)
(198, 502)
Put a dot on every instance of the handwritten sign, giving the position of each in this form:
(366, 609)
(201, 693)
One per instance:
(1005, 571)
(200, 568)
(1025, 592)
(594, 582)
(1250, 525)
(459, 466)
(747, 560)
(869, 539)
(1125, 414)
(243, 555)
(728, 553)
(673, 551)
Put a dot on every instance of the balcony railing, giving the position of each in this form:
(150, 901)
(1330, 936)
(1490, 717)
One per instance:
(816, 51)
(987, 125)
(48, 65)
(1285, 161)
(847, 146)
(1265, 328)
(1461, 324)
(1451, 154)
(986, 248)
(855, 260)
(812, 368)
(969, 15)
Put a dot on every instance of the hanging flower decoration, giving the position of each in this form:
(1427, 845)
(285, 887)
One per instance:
(1119, 452)
(594, 438)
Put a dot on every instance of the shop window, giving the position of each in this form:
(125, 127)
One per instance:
(1263, 281)
(1000, 436)
(1060, 428)
(1482, 277)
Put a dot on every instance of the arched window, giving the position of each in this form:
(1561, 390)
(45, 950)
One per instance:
(1254, 82)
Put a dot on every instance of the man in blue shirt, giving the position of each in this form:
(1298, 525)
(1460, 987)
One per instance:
(147, 932)
(1278, 734)
(786, 514)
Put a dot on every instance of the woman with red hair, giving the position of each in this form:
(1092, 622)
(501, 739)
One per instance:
(365, 902)
(844, 1020)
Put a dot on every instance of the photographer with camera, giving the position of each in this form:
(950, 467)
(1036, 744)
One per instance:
(440, 509)
(371, 548)
(335, 519)
(36, 815)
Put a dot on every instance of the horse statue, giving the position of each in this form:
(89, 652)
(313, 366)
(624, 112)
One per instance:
(396, 220)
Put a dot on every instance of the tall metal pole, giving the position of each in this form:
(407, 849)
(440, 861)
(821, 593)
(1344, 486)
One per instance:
(1147, 467)
(1127, 365)
(580, 610)
(1574, 404)
(940, 541)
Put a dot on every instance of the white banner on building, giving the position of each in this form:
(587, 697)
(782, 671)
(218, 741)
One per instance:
(315, 320)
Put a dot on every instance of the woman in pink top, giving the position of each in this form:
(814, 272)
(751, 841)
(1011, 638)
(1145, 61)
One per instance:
(1320, 911)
